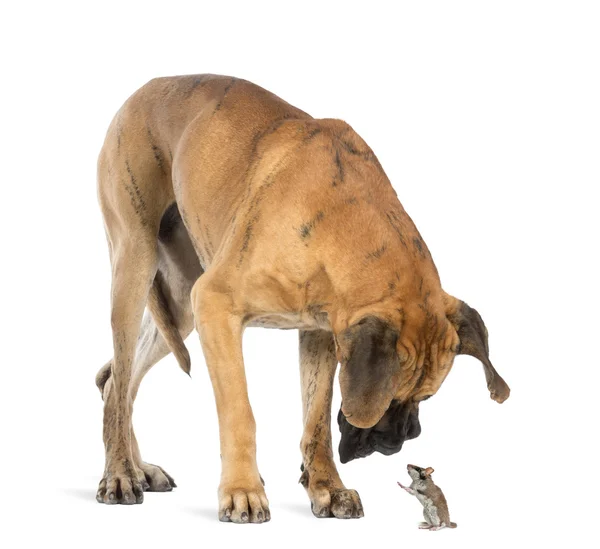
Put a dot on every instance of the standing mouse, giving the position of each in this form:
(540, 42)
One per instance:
(435, 508)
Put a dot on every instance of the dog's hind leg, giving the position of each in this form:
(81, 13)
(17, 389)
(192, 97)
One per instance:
(134, 267)
(167, 323)
(328, 495)
(151, 348)
(133, 197)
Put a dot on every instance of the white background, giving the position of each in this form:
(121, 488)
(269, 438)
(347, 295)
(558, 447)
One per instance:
(486, 118)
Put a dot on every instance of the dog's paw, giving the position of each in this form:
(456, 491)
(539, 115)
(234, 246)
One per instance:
(346, 504)
(342, 503)
(329, 498)
(122, 487)
(242, 504)
(155, 478)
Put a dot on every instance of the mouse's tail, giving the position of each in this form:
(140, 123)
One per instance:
(452, 525)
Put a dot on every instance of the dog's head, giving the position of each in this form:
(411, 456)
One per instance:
(388, 368)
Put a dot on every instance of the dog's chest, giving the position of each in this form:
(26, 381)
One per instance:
(305, 320)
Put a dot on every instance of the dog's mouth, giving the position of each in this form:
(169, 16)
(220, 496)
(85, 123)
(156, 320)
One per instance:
(399, 423)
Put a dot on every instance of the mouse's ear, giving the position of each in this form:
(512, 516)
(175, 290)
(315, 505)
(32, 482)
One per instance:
(473, 337)
(428, 471)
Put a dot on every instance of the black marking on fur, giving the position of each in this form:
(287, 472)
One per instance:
(311, 134)
(426, 298)
(198, 81)
(306, 228)
(395, 221)
(269, 130)
(119, 132)
(420, 246)
(225, 92)
(137, 200)
(316, 311)
(195, 82)
(377, 253)
(248, 235)
(367, 155)
(186, 222)
(208, 239)
(340, 169)
(158, 155)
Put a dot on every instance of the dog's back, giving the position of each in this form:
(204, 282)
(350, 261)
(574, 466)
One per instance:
(215, 145)
(146, 133)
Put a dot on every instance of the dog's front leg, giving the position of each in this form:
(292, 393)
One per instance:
(328, 495)
(241, 494)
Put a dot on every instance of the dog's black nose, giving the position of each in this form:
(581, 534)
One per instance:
(399, 423)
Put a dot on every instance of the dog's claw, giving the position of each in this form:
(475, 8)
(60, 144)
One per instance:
(225, 516)
(120, 487)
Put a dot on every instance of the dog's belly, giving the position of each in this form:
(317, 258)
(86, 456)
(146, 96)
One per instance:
(289, 321)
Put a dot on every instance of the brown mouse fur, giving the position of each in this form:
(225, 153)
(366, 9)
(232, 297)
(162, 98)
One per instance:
(435, 507)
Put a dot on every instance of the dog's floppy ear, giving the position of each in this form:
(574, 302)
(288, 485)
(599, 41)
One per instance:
(370, 370)
(473, 337)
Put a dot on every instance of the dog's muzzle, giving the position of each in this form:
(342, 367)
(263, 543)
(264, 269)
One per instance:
(399, 423)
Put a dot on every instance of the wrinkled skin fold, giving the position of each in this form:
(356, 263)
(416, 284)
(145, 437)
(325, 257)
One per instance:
(399, 423)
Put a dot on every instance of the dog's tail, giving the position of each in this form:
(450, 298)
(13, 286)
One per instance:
(103, 375)
(159, 309)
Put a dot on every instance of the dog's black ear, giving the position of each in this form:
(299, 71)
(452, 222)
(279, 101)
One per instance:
(370, 370)
(473, 337)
